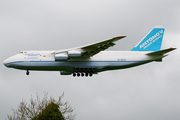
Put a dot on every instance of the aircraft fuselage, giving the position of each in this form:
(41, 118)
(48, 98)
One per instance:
(105, 60)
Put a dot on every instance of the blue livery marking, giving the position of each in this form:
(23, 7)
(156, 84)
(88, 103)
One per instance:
(152, 42)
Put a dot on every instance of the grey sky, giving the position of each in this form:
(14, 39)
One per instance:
(148, 92)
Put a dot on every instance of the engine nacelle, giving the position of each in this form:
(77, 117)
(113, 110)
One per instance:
(61, 57)
(65, 73)
(74, 53)
(65, 56)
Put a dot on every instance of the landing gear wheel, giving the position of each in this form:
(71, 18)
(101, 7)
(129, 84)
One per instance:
(82, 74)
(27, 72)
(74, 74)
(78, 74)
(86, 74)
(90, 74)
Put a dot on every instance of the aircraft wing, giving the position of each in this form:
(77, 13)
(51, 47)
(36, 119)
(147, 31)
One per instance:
(95, 48)
(92, 49)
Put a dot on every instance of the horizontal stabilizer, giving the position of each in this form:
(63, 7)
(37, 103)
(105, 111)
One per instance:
(161, 52)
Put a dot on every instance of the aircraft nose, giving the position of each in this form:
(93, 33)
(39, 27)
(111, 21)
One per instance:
(9, 62)
(6, 63)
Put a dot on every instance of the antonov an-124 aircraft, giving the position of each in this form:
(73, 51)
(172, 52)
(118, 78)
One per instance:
(92, 59)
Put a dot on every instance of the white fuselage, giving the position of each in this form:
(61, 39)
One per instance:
(105, 60)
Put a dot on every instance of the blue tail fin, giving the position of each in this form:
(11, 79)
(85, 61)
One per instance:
(152, 42)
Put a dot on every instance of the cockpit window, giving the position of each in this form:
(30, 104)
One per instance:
(20, 52)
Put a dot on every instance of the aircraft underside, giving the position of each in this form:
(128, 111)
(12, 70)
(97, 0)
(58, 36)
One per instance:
(76, 68)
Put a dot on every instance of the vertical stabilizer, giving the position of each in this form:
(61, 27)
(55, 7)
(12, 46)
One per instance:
(151, 42)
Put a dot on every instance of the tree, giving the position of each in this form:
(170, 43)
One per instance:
(51, 112)
(41, 108)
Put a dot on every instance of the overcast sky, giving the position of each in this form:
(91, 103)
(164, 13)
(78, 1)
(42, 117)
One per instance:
(147, 92)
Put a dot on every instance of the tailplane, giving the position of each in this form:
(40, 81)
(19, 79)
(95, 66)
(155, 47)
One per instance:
(151, 42)
(161, 52)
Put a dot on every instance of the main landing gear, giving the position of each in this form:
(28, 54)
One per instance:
(83, 72)
(27, 72)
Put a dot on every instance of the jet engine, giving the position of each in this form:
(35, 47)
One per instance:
(66, 55)
(61, 57)
(74, 53)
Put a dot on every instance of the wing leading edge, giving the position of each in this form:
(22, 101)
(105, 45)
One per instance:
(91, 49)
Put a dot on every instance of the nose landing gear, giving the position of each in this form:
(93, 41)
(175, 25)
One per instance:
(27, 72)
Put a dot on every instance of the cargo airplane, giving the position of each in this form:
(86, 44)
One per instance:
(92, 59)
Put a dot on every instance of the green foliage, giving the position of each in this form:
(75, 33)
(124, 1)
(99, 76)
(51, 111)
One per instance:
(43, 109)
(51, 112)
